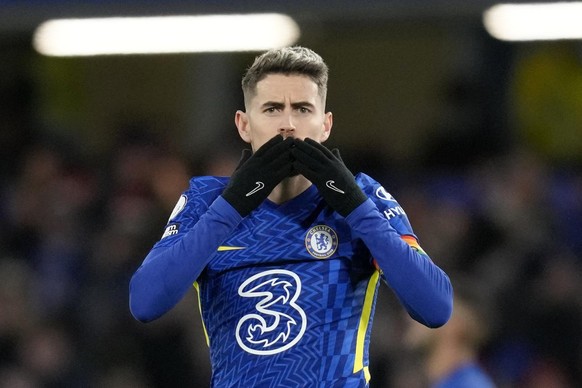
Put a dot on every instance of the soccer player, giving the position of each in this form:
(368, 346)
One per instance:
(288, 253)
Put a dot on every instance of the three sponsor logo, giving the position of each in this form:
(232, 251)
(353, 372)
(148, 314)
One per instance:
(277, 322)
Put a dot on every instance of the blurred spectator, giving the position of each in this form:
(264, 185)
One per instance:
(452, 353)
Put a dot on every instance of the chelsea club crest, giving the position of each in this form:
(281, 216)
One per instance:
(321, 241)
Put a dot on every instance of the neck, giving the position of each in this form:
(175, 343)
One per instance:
(289, 188)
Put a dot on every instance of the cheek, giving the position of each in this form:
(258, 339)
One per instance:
(310, 128)
(258, 140)
(317, 132)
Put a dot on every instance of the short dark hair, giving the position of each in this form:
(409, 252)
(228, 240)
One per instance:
(287, 60)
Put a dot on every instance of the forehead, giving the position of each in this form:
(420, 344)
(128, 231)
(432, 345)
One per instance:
(281, 86)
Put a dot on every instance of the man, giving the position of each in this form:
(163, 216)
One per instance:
(286, 254)
(451, 353)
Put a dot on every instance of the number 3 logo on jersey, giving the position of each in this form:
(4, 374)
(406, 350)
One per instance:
(278, 323)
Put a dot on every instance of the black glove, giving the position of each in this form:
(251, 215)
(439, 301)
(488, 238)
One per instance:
(328, 172)
(255, 178)
(246, 154)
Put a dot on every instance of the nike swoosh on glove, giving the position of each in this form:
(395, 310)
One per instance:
(255, 178)
(326, 170)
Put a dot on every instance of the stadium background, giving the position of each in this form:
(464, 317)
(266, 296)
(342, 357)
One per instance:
(479, 140)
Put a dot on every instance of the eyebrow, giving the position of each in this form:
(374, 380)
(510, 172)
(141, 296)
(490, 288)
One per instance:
(276, 104)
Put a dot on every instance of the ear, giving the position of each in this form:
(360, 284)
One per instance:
(241, 121)
(326, 126)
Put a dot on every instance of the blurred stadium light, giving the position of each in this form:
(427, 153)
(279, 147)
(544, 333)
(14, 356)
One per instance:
(539, 21)
(165, 34)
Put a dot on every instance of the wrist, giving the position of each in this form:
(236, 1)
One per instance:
(237, 202)
(222, 207)
(353, 199)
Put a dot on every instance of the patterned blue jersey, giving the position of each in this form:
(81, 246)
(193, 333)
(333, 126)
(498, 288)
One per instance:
(287, 298)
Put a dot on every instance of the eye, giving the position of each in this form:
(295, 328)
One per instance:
(304, 109)
(271, 109)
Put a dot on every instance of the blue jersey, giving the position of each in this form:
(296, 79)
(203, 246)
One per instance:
(468, 375)
(287, 294)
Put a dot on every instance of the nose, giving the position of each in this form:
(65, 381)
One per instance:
(287, 132)
(286, 127)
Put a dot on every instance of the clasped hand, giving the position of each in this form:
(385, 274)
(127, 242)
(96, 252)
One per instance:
(257, 174)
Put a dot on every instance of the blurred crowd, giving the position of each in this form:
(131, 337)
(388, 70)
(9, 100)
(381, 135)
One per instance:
(509, 231)
(506, 226)
(72, 234)
(73, 231)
